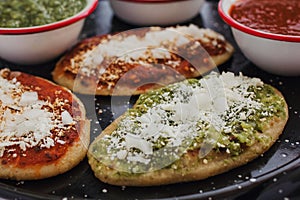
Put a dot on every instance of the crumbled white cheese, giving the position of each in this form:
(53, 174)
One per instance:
(66, 118)
(139, 143)
(122, 154)
(218, 97)
(25, 121)
(158, 42)
(28, 98)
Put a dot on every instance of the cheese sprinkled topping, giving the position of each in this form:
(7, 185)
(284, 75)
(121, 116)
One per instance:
(166, 122)
(155, 44)
(26, 121)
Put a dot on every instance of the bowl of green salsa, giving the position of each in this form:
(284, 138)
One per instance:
(37, 31)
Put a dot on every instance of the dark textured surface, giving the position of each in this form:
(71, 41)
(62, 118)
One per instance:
(271, 176)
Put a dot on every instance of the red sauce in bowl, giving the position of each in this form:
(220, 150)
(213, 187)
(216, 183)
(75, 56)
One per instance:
(273, 16)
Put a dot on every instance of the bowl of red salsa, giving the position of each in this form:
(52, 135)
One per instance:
(267, 32)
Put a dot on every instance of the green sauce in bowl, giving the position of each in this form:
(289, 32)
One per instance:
(27, 13)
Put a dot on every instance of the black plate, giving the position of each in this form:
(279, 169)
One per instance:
(262, 173)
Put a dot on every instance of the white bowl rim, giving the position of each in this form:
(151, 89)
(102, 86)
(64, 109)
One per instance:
(230, 21)
(152, 1)
(90, 7)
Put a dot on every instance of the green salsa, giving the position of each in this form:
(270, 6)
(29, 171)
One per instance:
(27, 13)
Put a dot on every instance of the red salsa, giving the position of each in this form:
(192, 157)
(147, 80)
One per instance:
(274, 16)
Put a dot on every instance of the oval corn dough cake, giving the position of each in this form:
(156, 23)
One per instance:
(190, 131)
(135, 61)
(43, 127)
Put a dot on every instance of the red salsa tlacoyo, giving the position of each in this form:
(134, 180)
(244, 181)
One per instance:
(274, 16)
(43, 128)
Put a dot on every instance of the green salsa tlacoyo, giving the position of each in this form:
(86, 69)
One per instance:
(219, 112)
(27, 13)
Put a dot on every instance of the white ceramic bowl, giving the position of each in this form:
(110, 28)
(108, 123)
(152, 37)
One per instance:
(274, 53)
(39, 44)
(156, 12)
